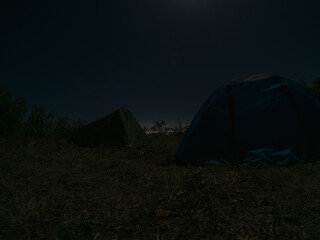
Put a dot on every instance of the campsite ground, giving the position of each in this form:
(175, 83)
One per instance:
(53, 190)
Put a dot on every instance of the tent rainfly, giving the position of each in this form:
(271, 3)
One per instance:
(262, 120)
(120, 128)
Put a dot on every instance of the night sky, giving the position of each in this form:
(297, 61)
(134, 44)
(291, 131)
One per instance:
(159, 58)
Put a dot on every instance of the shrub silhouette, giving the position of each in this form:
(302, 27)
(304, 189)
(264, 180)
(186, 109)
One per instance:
(158, 126)
(42, 123)
(65, 127)
(314, 87)
(39, 122)
(17, 122)
(12, 114)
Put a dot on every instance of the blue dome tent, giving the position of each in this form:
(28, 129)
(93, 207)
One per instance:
(262, 120)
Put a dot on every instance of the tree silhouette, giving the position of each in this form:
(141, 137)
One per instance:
(158, 126)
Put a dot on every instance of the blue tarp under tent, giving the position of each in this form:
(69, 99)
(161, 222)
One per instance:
(262, 120)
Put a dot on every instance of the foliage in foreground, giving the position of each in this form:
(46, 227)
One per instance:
(52, 190)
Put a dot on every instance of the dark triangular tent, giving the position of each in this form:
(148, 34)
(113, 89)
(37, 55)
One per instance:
(262, 120)
(120, 128)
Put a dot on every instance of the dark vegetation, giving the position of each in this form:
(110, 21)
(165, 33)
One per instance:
(314, 88)
(50, 189)
(19, 121)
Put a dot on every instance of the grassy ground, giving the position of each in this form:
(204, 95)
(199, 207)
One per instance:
(52, 190)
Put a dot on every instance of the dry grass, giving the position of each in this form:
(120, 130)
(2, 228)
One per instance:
(52, 190)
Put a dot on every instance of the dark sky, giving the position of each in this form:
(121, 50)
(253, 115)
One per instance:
(161, 59)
